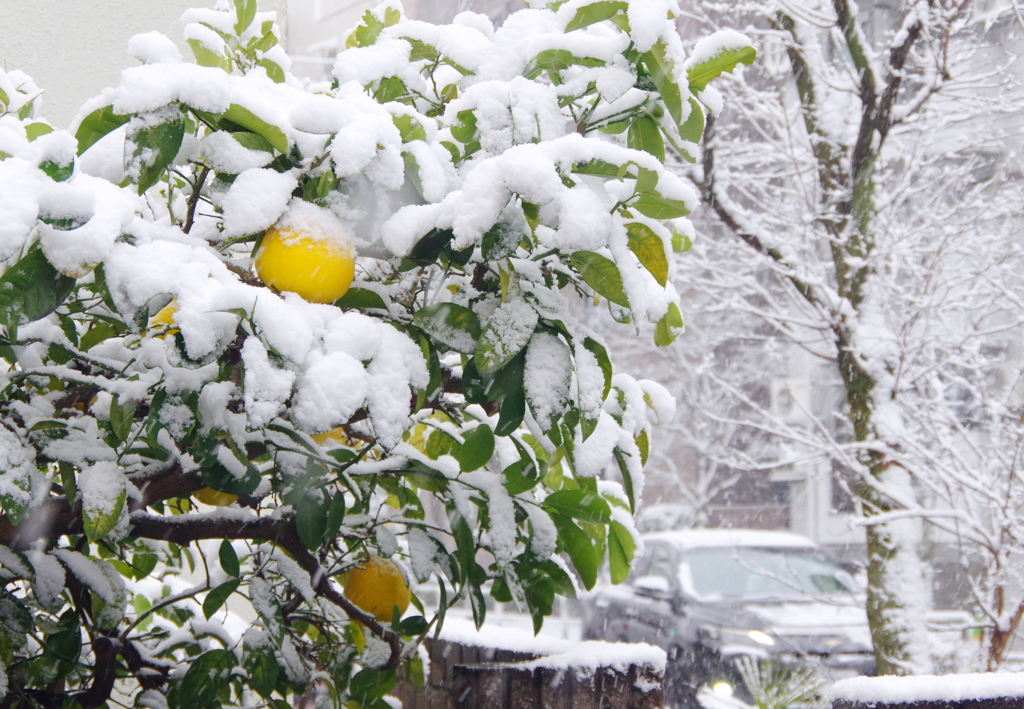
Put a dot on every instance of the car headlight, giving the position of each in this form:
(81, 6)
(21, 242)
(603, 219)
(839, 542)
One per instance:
(740, 635)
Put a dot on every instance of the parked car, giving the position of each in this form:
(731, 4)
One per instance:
(709, 597)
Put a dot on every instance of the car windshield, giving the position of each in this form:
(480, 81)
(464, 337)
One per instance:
(728, 573)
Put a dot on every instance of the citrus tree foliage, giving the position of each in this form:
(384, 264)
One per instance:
(182, 448)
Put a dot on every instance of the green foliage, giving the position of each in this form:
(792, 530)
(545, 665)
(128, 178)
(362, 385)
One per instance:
(462, 379)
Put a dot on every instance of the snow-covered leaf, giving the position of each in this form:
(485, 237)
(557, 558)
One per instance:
(701, 73)
(454, 325)
(155, 149)
(102, 487)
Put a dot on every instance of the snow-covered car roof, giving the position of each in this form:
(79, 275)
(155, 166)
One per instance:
(702, 538)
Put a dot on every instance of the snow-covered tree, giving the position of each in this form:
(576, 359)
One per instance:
(262, 337)
(868, 203)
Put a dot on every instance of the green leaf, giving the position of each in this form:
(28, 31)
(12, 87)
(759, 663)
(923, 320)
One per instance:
(646, 180)
(310, 522)
(369, 685)
(601, 274)
(477, 449)
(32, 289)
(361, 299)
(96, 125)
(481, 388)
(207, 675)
(584, 505)
(596, 167)
(155, 149)
(669, 327)
(599, 351)
(273, 69)
(595, 12)
(502, 239)
(621, 551)
(121, 418)
(582, 551)
(56, 171)
(653, 205)
(627, 479)
(34, 130)
(502, 340)
(143, 564)
(662, 71)
(262, 668)
(555, 59)
(335, 518)
(465, 130)
(98, 526)
(513, 410)
(228, 559)
(247, 119)
(644, 134)
(245, 11)
(644, 445)
(692, 128)
(680, 243)
(409, 128)
(99, 332)
(454, 325)
(366, 33)
(701, 74)
(218, 596)
(207, 57)
(649, 249)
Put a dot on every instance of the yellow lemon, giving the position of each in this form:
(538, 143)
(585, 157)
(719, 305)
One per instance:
(163, 321)
(331, 438)
(308, 252)
(377, 585)
(209, 496)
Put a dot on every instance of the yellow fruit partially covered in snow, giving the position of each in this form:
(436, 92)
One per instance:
(215, 498)
(308, 252)
(163, 322)
(377, 586)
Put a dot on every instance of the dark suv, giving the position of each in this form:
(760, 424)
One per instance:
(709, 597)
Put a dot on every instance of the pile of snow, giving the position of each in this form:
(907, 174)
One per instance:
(927, 688)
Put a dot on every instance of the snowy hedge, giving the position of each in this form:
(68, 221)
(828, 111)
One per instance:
(450, 411)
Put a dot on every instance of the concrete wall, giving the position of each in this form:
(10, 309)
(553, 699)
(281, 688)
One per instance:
(75, 48)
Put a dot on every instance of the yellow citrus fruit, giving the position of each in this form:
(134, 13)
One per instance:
(309, 254)
(331, 438)
(377, 585)
(163, 321)
(209, 496)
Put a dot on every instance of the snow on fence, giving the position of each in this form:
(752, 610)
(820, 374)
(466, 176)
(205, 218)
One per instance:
(508, 669)
(975, 691)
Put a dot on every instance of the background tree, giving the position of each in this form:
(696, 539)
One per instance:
(866, 168)
(178, 438)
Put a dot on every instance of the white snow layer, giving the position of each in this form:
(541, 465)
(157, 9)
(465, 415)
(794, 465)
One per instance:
(928, 688)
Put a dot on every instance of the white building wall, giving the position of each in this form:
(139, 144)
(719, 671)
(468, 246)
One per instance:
(75, 48)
